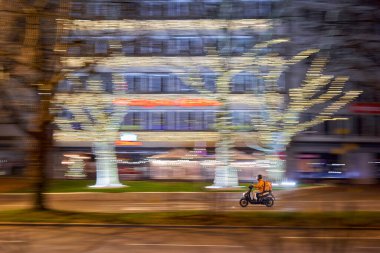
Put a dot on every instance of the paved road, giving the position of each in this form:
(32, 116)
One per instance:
(74, 239)
(312, 199)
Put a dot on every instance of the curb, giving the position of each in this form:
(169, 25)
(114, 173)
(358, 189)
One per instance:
(167, 226)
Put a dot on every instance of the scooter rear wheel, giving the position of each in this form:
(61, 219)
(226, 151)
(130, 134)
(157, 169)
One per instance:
(243, 202)
(269, 202)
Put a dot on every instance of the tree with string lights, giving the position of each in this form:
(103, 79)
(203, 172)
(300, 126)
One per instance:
(280, 113)
(279, 117)
(97, 116)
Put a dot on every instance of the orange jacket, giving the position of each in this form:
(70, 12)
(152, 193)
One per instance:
(260, 185)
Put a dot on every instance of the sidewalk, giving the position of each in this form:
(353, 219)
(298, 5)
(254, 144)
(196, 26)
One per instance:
(302, 200)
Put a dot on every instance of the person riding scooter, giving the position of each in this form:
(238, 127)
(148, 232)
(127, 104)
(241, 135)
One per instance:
(264, 194)
(259, 186)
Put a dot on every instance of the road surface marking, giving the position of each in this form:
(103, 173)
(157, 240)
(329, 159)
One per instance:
(330, 237)
(184, 245)
(4, 241)
(323, 201)
(12, 205)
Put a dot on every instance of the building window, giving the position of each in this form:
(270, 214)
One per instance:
(209, 120)
(209, 81)
(154, 83)
(169, 120)
(368, 125)
(356, 125)
(241, 44)
(128, 47)
(156, 121)
(182, 121)
(241, 118)
(196, 121)
(151, 9)
(101, 47)
(151, 46)
(77, 10)
(196, 46)
(130, 82)
(171, 84)
(178, 9)
(139, 84)
(264, 8)
(175, 46)
(184, 46)
(246, 83)
(211, 9)
(136, 120)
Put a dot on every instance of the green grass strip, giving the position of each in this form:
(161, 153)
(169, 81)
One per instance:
(140, 186)
(133, 186)
(62, 185)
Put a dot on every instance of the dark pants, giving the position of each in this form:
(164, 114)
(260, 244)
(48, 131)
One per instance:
(258, 195)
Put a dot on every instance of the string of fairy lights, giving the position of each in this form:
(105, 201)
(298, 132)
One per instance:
(90, 110)
(151, 25)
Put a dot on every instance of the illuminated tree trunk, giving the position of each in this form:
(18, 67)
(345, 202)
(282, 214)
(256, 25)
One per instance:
(225, 175)
(277, 168)
(271, 150)
(107, 174)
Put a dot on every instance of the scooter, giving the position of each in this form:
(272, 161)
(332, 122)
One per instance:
(266, 199)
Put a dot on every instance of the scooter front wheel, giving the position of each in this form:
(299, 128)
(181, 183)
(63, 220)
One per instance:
(243, 202)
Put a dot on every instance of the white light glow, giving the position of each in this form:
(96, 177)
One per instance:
(288, 183)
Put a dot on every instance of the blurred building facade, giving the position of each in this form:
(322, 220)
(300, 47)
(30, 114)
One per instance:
(334, 149)
(349, 33)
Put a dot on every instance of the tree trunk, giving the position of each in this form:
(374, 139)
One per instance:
(40, 162)
(277, 169)
(277, 166)
(107, 174)
(225, 175)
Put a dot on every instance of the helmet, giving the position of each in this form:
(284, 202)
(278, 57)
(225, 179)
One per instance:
(259, 177)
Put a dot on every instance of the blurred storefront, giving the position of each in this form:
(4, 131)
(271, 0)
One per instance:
(333, 161)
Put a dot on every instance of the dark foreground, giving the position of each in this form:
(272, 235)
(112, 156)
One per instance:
(36, 239)
(342, 220)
